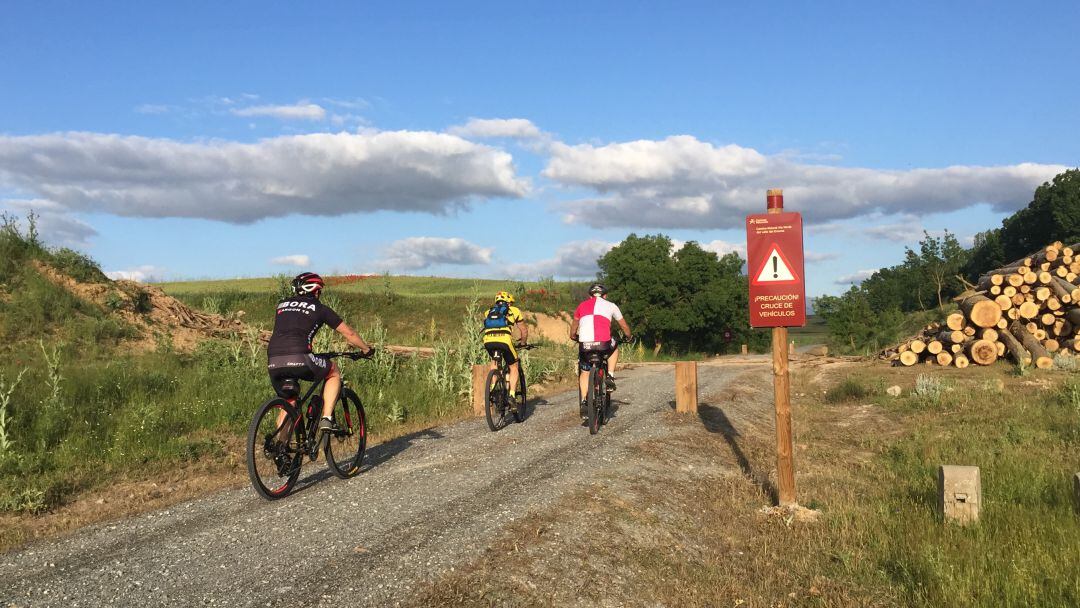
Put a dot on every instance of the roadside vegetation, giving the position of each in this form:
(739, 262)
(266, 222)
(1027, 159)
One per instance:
(80, 410)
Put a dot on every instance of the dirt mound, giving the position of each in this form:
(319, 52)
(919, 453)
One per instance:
(156, 315)
(554, 329)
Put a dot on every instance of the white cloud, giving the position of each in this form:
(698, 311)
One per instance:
(142, 274)
(814, 257)
(575, 260)
(855, 277)
(515, 128)
(292, 260)
(320, 174)
(719, 247)
(297, 111)
(54, 223)
(682, 182)
(417, 253)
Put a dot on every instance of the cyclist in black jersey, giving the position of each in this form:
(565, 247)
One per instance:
(289, 355)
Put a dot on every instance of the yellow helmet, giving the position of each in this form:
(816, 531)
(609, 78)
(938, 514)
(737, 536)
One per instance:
(504, 296)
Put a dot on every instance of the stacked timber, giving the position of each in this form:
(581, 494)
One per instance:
(1028, 310)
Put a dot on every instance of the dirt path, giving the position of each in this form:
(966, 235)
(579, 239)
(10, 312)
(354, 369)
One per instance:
(428, 503)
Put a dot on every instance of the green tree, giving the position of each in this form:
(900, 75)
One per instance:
(1052, 215)
(684, 300)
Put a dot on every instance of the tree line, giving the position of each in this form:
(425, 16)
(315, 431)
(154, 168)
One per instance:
(880, 310)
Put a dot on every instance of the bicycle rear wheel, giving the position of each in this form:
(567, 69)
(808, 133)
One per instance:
(274, 451)
(345, 446)
(596, 394)
(495, 400)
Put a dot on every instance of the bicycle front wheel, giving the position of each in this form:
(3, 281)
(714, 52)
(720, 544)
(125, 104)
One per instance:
(346, 444)
(520, 400)
(274, 451)
(495, 400)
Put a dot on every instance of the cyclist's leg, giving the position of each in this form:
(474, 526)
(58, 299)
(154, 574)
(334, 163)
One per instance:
(583, 375)
(612, 362)
(331, 390)
(511, 356)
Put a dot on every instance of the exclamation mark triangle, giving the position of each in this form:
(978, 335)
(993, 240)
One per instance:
(776, 269)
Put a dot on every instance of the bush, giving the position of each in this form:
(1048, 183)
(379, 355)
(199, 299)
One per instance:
(77, 266)
(850, 389)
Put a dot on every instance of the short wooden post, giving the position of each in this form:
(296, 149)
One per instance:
(791, 348)
(686, 395)
(744, 349)
(959, 493)
(479, 375)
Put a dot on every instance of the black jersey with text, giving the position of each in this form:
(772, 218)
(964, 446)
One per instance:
(296, 322)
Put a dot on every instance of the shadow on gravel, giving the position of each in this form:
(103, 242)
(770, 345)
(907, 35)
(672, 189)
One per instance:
(716, 421)
(387, 450)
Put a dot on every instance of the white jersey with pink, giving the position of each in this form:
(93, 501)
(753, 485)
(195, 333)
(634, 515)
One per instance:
(594, 319)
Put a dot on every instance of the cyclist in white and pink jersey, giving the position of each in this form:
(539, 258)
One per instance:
(592, 323)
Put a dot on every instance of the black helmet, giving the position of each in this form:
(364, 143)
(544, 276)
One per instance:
(307, 284)
(597, 289)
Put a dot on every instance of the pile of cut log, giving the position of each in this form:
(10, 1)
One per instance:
(1028, 310)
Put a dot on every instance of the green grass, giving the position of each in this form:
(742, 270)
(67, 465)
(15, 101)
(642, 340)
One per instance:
(1025, 551)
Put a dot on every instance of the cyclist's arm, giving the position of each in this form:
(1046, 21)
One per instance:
(352, 337)
(625, 328)
(573, 330)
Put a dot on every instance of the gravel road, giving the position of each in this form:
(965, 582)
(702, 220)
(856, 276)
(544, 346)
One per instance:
(425, 503)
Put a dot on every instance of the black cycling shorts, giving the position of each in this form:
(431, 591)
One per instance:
(506, 351)
(586, 349)
(297, 367)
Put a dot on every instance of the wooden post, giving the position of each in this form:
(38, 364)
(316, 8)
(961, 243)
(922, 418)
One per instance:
(791, 348)
(479, 375)
(785, 466)
(744, 349)
(686, 394)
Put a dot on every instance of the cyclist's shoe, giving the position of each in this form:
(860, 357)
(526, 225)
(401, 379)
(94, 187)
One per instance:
(583, 409)
(609, 383)
(328, 426)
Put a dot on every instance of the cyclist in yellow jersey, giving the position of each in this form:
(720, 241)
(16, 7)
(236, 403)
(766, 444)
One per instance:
(499, 324)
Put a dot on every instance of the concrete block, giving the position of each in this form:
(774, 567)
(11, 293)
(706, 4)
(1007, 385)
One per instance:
(959, 493)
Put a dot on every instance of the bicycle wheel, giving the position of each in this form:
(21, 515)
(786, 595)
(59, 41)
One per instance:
(274, 453)
(495, 400)
(520, 401)
(345, 446)
(596, 391)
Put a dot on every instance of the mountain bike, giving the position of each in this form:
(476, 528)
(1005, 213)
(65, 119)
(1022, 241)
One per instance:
(283, 431)
(598, 400)
(496, 395)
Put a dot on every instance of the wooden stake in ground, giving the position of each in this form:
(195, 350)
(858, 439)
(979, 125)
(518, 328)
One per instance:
(686, 393)
(785, 466)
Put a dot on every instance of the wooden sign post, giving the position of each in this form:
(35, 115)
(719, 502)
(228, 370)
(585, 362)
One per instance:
(778, 300)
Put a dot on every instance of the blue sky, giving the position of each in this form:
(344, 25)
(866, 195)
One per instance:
(493, 139)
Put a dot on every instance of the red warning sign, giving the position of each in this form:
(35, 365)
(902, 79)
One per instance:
(774, 259)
